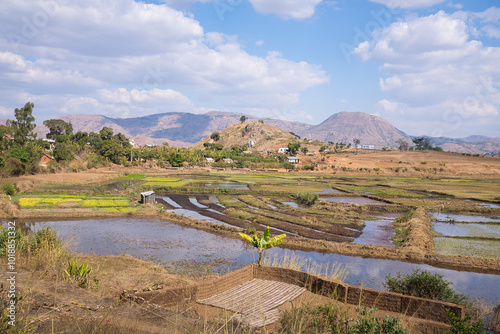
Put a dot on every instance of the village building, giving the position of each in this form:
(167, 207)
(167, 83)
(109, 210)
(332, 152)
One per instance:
(292, 160)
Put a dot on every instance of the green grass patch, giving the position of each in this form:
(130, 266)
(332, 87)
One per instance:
(130, 177)
(230, 202)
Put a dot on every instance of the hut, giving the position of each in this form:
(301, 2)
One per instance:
(148, 197)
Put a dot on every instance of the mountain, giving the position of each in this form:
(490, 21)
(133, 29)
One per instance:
(184, 129)
(345, 126)
(258, 135)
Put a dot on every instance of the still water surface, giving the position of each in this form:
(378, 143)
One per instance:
(175, 246)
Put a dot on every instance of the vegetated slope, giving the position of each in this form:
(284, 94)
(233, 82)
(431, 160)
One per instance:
(369, 129)
(256, 134)
(471, 144)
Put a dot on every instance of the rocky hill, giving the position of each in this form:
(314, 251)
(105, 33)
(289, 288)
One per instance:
(257, 135)
(184, 129)
(345, 126)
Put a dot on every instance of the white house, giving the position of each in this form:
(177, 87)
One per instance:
(292, 160)
(283, 150)
(210, 160)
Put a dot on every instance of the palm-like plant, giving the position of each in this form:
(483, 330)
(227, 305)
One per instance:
(262, 243)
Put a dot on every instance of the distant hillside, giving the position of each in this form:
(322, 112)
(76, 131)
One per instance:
(185, 129)
(345, 126)
(259, 135)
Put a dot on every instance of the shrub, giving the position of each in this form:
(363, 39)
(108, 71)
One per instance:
(425, 285)
(332, 319)
(465, 326)
(13, 167)
(306, 198)
(10, 189)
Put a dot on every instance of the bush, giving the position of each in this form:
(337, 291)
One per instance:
(332, 319)
(306, 198)
(9, 188)
(425, 285)
(465, 326)
(13, 167)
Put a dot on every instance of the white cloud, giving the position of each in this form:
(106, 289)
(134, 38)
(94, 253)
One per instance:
(288, 9)
(435, 70)
(86, 49)
(408, 4)
(259, 42)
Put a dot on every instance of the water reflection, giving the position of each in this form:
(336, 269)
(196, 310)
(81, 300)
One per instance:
(174, 246)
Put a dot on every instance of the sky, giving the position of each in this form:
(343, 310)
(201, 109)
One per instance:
(430, 67)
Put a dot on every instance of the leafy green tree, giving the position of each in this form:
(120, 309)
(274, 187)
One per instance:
(95, 140)
(176, 159)
(58, 127)
(106, 133)
(64, 152)
(20, 154)
(304, 150)
(23, 126)
(111, 150)
(293, 148)
(262, 243)
(2, 162)
(422, 143)
(215, 136)
(243, 119)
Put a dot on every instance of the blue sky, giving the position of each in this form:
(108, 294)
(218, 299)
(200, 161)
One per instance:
(430, 67)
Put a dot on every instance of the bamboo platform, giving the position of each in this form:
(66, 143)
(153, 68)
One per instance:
(256, 302)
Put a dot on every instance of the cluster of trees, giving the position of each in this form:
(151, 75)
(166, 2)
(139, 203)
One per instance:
(21, 150)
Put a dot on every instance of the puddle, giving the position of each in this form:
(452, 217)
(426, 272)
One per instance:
(195, 202)
(199, 216)
(447, 217)
(330, 191)
(175, 246)
(378, 232)
(467, 229)
(227, 185)
(295, 205)
(215, 200)
(355, 200)
(171, 202)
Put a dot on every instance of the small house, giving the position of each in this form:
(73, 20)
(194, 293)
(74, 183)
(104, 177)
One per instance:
(228, 161)
(246, 152)
(148, 197)
(209, 160)
(45, 159)
(283, 150)
(368, 147)
(292, 160)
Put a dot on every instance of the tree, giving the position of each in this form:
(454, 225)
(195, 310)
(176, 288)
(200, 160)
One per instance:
(22, 127)
(215, 136)
(422, 143)
(20, 154)
(262, 243)
(176, 159)
(293, 148)
(304, 150)
(356, 142)
(63, 152)
(111, 150)
(106, 133)
(58, 127)
(403, 144)
(243, 119)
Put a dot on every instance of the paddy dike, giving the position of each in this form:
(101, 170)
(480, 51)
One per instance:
(334, 233)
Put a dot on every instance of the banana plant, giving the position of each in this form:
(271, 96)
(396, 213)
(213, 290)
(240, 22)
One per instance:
(263, 242)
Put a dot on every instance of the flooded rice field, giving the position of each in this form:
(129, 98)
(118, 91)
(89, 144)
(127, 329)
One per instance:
(451, 217)
(187, 250)
(355, 200)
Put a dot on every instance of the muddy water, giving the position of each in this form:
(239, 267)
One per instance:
(447, 217)
(356, 200)
(378, 232)
(467, 229)
(180, 248)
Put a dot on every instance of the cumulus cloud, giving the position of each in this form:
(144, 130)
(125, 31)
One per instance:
(408, 4)
(157, 56)
(289, 9)
(434, 68)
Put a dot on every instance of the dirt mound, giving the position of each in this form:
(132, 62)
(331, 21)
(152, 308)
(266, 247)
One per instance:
(8, 209)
